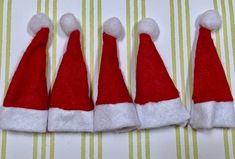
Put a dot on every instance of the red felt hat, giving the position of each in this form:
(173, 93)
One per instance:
(157, 99)
(213, 101)
(114, 107)
(71, 107)
(25, 106)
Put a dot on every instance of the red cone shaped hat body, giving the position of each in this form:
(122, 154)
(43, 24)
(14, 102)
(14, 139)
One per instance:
(213, 101)
(210, 83)
(25, 106)
(153, 83)
(111, 85)
(28, 88)
(114, 109)
(71, 89)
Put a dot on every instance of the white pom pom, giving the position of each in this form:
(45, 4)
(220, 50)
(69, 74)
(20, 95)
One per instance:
(69, 23)
(149, 26)
(210, 20)
(39, 21)
(113, 27)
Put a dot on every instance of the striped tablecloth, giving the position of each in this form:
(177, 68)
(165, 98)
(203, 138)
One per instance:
(176, 19)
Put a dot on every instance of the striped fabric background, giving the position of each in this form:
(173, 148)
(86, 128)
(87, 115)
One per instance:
(176, 19)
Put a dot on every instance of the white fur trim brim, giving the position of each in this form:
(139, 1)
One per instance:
(22, 119)
(120, 117)
(60, 120)
(212, 114)
(164, 113)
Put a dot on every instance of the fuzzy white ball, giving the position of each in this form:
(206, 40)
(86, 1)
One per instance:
(69, 23)
(149, 26)
(39, 21)
(113, 27)
(210, 20)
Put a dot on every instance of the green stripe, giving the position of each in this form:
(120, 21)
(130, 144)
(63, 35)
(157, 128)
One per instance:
(43, 147)
(226, 48)
(181, 50)
(173, 50)
(83, 135)
(190, 76)
(35, 146)
(7, 70)
(35, 135)
(138, 133)
(39, 6)
(92, 67)
(47, 7)
(143, 9)
(147, 144)
(83, 146)
(100, 156)
(91, 146)
(1, 32)
(225, 131)
(232, 26)
(217, 32)
(54, 45)
(147, 132)
(139, 144)
(52, 145)
(99, 19)
(84, 28)
(128, 43)
(226, 145)
(130, 146)
(128, 46)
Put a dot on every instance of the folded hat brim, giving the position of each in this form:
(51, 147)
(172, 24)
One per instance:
(120, 117)
(163, 113)
(60, 120)
(23, 119)
(212, 114)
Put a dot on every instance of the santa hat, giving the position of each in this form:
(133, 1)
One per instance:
(114, 107)
(213, 101)
(25, 106)
(157, 99)
(71, 107)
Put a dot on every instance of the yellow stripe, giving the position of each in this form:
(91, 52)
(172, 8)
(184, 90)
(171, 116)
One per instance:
(181, 50)
(43, 147)
(1, 31)
(47, 7)
(52, 145)
(7, 70)
(138, 133)
(83, 146)
(92, 66)
(35, 146)
(143, 9)
(39, 6)
(188, 34)
(83, 135)
(225, 131)
(91, 146)
(173, 50)
(232, 27)
(128, 46)
(99, 19)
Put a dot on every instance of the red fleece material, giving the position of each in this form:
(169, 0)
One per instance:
(28, 87)
(210, 83)
(71, 89)
(111, 85)
(153, 83)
